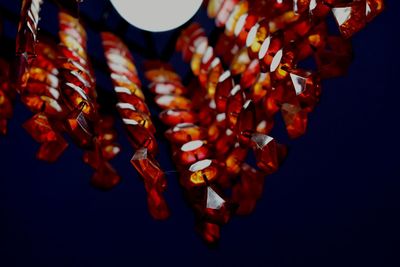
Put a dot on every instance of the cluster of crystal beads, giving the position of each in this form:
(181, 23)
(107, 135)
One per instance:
(137, 122)
(251, 74)
(57, 84)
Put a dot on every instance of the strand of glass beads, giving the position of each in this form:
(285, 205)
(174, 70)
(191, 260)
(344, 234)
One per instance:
(235, 124)
(138, 124)
(77, 87)
(199, 173)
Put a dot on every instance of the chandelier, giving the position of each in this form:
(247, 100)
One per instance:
(243, 78)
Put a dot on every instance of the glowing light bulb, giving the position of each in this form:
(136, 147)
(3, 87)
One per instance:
(156, 15)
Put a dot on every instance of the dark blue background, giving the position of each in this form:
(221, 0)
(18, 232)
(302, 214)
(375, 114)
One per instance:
(335, 201)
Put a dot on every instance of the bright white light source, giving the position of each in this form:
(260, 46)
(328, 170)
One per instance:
(156, 15)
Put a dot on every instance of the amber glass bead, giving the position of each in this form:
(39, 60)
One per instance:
(51, 151)
(185, 132)
(136, 117)
(214, 7)
(240, 62)
(295, 119)
(80, 128)
(234, 106)
(157, 205)
(249, 188)
(173, 102)
(224, 12)
(226, 48)
(222, 91)
(105, 177)
(270, 53)
(162, 75)
(235, 158)
(132, 99)
(205, 64)
(246, 123)
(243, 27)
(269, 154)
(168, 88)
(192, 151)
(172, 117)
(224, 143)
(260, 88)
(251, 74)
(201, 172)
(149, 169)
(210, 232)
(139, 136)
(374, 7)
(40, 129)
(214, 73)
(256, 37)
(198, 55)
(334, 59)
(239, 9)
(350, 17)
(307, 88)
